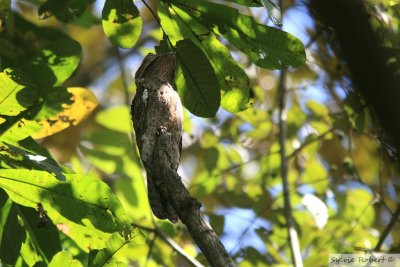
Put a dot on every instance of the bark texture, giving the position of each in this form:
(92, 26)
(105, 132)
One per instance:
(157, 117)
(366, 59)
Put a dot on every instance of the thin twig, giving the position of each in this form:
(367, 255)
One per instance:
(151, 245)
(319, 137)
(123, 77)
(292, 234)
(172, 244)
(315, 36)
(388, 228)
(127, 100)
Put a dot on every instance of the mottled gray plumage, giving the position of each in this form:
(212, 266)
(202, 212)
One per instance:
(155, 107)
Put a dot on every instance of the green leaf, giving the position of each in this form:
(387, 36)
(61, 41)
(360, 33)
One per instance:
(316, 176)
(251, 3)
(114, 244)
(87, 20)
(111, 142)
(65, 11)
(63, 108)
(234, 84)
(18, 130)
(5, 6)
(267, 47)
(196, 80)
(64, 258)
(318, 110)
(122, 23)
(359, 207)
(42, 162)
(60, 59)
(54, 101)
(14, 97)
(50, 60)
(13, 232)
(116, 118)
(45, 239)
(5, 207)
(80, 199)
(105, 162)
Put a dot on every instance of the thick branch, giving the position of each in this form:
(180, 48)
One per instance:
(187, 208)
(366, 59)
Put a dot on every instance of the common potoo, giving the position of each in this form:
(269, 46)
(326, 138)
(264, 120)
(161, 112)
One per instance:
(155, 107)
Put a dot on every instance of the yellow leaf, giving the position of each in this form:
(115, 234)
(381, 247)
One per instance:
(83, 103)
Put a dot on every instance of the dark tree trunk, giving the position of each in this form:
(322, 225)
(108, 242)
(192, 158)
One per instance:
(364, 54)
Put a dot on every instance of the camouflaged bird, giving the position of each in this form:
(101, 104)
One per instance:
(155, 107)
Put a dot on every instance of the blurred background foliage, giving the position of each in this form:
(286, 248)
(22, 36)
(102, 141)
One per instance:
(342, 172)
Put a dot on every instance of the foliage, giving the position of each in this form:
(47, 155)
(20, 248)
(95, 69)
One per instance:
(71, 183)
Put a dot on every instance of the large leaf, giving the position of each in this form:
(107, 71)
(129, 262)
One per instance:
(266, 46)
(122, 23)
(45, 238)
(65, 11)
(33, 160)
(49, 57)
(196, 80)
(116, 118)
(14, 97)
(18, 130)
(13, 233)
(76, 105)
(58, 60)
(233, 81)
(81, 199)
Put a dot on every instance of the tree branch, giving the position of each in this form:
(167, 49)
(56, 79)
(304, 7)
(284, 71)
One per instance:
(365, 58)
(292, 234)
(187, 208)
(388, 228)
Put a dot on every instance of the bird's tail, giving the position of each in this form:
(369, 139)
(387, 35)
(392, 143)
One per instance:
(159, 205)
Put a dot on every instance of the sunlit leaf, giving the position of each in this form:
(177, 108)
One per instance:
(85, 238)
(81, 199)
(122, 23)
(116, 118)
(14, 97)
(318, 110)
(42, 162)
(46, 54)
(103, 161)
(315, 176)
(64, 258)
(83, 103)
(19, 130)
(359, 207)
(266, 46)
(56, 62)
(114, 244)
